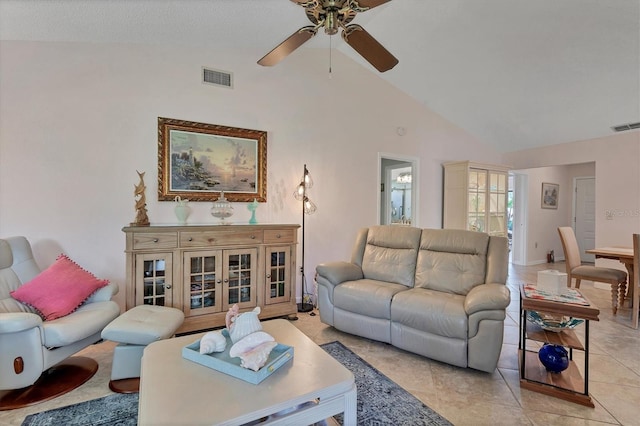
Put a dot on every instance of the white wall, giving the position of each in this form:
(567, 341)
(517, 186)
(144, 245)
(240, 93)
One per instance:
(617, 171)
(78, 119)
(542, 234)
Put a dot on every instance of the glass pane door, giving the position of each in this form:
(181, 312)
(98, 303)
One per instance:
(477, 193)
(240, 277)
(278, 288)
(154, 280)
(498, 204)
(203, 282)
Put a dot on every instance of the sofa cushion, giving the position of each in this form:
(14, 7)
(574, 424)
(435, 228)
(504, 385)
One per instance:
(88, 320)
(451, 260)
(58, 290)
(390, 254)
(367, 297)
(431, 311)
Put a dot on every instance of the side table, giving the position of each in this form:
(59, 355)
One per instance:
(569, 384)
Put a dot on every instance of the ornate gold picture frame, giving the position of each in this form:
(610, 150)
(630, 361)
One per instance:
(198, 161)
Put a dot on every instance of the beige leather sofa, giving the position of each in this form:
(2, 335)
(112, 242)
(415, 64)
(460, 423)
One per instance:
(439, 293)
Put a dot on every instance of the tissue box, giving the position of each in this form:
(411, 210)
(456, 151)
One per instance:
(552, 281)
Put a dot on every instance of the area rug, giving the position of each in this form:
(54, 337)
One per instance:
(120, 409)
(380, 402)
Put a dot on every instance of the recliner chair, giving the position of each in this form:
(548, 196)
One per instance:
(32, 350)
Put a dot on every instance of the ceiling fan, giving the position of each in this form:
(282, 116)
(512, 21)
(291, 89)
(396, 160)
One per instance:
(333, 15)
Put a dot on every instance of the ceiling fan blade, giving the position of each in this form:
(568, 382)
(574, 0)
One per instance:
(362, 5)
(369, 48)
(282, 50)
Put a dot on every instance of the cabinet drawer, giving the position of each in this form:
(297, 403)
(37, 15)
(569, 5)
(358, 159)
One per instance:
(150, 240)
(217, 238)
(278, 236)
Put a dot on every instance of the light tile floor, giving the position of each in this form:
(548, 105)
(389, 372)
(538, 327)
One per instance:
(465, 396)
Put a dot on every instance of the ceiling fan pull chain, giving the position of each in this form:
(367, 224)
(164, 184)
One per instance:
(330, 48)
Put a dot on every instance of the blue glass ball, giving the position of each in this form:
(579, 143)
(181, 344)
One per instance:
(555, 358)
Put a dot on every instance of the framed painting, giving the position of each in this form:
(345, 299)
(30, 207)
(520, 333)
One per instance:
(198, 161)
(550, 193)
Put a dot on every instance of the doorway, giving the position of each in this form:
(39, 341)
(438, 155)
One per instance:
(398, 196)
(584, 214)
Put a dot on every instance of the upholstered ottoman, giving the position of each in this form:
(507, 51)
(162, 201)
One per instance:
(134, 330)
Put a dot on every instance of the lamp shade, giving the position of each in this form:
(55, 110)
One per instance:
(300, 191)
(309, 206)
(307, 180)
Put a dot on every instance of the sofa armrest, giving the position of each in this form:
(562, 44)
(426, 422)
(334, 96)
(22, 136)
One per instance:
(487, 297)
(338, 272)
(15, 322)
(103, 294)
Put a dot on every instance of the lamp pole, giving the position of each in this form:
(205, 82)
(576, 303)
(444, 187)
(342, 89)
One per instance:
(302, 306)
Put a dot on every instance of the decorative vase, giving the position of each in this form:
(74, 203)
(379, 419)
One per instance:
(252, 208)
(222, 209)
(182, 210)
(555, 358)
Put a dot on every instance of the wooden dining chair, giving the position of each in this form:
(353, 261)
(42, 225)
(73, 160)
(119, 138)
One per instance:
(575, 269)
(634, 282)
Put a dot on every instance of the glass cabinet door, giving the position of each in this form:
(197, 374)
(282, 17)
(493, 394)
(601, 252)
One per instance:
(239, 282)
(203, 282)
(277, 283)
(154, 279)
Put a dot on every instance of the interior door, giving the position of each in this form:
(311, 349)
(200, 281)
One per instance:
(585, 216)
(398, 196)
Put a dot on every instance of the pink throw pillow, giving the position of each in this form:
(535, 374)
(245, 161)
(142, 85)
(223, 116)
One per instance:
(58, 290)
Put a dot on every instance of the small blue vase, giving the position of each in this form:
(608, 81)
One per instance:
(555, 358)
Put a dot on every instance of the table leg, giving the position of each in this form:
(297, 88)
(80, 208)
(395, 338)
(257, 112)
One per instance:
(351, 407)
(635, 298)
(630, 283)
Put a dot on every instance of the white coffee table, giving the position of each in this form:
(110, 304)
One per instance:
(174, 390)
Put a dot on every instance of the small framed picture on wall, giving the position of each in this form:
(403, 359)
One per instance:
(550, 193)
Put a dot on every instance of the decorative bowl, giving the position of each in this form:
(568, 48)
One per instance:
(555, 323)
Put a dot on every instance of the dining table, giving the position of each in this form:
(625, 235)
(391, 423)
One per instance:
(623, 255)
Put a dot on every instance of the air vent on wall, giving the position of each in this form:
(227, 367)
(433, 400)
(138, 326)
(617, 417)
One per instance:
(628, 126)
(217, 77)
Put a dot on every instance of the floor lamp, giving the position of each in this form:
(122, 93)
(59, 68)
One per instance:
(308, 207)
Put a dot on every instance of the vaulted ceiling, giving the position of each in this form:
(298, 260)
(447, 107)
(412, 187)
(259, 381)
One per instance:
(514, 73)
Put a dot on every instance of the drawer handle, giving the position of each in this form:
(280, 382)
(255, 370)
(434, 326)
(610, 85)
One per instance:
(155, 240)
(253, 237)
(277, 235)
(190, 238)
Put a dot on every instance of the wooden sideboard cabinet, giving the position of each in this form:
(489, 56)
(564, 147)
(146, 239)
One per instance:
(203, 270)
